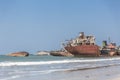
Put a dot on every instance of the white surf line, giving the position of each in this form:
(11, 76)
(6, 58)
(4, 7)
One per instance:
(53, 62)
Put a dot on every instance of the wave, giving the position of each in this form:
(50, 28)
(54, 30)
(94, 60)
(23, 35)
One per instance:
(2, 64)
(11, 77)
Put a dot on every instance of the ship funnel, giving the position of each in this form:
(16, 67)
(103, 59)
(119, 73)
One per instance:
(104, 44)
(81, 35)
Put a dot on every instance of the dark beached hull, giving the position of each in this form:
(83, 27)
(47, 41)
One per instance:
(85, 50)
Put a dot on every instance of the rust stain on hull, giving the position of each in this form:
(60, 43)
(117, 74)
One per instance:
(90, 50)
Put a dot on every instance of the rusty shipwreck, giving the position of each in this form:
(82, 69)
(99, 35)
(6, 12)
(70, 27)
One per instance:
(82, 46)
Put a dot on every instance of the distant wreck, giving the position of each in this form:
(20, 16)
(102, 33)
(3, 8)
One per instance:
(19, 54)
(110, 49)
(41, 53)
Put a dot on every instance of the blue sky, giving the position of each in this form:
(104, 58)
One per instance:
(33, 25)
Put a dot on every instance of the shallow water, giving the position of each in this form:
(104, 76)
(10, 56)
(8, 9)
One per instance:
(51, 67)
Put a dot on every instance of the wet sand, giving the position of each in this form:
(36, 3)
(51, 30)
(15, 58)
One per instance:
(103, 73)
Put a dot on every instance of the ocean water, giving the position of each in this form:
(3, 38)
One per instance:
(50, 67)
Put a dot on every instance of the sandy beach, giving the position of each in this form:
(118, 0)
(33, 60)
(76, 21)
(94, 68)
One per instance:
(117, 77)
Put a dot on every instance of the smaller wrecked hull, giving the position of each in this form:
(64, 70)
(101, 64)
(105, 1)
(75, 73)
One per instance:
(60, 53)
(84, 50)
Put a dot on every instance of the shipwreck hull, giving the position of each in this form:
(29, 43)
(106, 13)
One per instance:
(84, 50)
